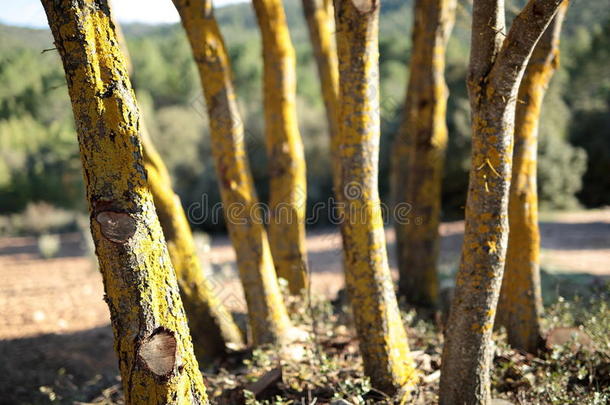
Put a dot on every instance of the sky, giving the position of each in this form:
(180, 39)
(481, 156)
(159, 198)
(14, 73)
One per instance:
(29, 13)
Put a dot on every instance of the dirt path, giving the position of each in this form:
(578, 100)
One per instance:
(52, 313)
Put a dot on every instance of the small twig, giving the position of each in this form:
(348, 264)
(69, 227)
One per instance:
(488, 163)
(48, 50)
(496, 30)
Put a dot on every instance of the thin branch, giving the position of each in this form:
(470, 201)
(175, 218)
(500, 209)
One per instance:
(485, 42)
(525, 31)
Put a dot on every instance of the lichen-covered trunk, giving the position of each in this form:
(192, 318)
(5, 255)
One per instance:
(381, 334)
(288, 185)
(268, 318)
(212, 327)
(152, 339)
(419, 152)
(520, 304)
(497, 63)
(320, 18)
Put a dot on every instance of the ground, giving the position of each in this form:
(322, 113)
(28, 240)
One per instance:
(54, 333)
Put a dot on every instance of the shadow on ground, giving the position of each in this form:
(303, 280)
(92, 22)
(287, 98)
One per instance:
(77, 367)
(57, 368)
(575, 236)
(571, 285)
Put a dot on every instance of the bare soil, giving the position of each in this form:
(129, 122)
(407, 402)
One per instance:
(54, 324)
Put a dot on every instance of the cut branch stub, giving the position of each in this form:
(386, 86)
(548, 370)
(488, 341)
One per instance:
(159, 353)
(365, 6)
(116, 226)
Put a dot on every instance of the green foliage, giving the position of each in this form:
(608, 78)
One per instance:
(40, 219)
(38, 150)
(560, 169)
(39, 154)
(590, 127)
(38, 163)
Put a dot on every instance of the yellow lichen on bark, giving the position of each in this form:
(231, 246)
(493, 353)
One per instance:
(288, 185)
(520, 304)
(497, 63)
(268, 318)
(419, 152)
(382, 337)
(152, 339)
(212, 328)
(320, 18)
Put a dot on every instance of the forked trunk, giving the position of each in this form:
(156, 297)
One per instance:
(497, 63)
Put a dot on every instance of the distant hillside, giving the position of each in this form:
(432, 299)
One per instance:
(238, 22)
(39, 155)
(19, 37)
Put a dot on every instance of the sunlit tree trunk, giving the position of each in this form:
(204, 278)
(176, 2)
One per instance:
(212, 327)
(382, 337)
(520, 304)
(497, 63)
(267, 314)
(320, 18)
(152, 340)
(419, 152)
(288, 185)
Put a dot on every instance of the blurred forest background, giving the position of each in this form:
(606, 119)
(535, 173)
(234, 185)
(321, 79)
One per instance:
(39, 159)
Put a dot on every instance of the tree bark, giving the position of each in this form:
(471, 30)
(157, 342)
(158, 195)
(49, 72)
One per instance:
(520, 303)
(288, 184)
(382, 337)
(419, 152)
(268, 318)
(152, 340)
(320, 18)
(213, 329)
(497, 63)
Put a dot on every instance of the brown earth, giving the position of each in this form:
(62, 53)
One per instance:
(54, 324)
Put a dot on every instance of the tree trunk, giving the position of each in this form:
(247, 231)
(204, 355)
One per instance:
(497, 63)
(152, 340)
(319, 15)
(419, 152)
(382, 337)
(288, 185)
(520, 304)
(268, 318)
(212, 327)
